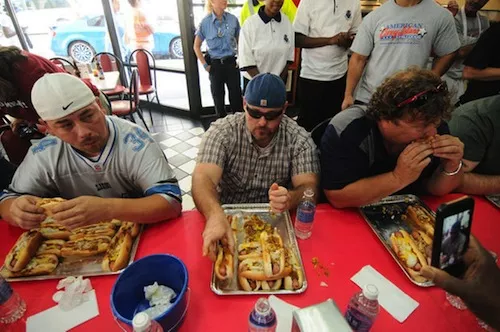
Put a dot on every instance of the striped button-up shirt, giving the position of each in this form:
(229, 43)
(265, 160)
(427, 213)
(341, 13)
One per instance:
(249, 170)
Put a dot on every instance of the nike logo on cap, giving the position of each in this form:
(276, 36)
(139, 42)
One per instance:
(66, 107)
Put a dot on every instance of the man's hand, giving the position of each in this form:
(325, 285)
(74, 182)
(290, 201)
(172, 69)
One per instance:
(279, 198)
(479, 287)
(348, 101)
(81, 211)
(340, 39)
(453, 7)
(25, 213)
(216, 228)
(412, 161)
(450, 149)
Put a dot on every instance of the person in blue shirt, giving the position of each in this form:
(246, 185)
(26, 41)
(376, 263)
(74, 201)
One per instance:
(221, 31)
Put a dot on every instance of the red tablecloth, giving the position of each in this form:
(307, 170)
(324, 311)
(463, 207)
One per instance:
(341, 240)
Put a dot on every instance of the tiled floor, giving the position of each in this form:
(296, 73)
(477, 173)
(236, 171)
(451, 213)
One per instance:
(179, 139)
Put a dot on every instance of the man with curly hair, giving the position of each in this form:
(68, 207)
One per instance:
(399, 143)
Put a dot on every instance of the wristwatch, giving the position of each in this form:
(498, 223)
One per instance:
(455, 172)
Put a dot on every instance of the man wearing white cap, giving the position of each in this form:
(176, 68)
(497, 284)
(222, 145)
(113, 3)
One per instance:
(105, 166)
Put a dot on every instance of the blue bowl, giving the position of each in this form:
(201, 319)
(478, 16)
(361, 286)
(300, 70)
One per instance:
(127, 295)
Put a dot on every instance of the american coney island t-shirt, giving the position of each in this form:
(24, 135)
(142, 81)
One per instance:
(396, 38)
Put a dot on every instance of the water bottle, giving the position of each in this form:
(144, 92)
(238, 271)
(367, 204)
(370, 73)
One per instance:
(305, 215)
(262, 318)
(12, 306)
(143, 323)
(363, 309)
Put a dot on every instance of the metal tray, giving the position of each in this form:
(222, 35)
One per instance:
(495, 199)
(384, 218)
(81, 266)
(284, 225)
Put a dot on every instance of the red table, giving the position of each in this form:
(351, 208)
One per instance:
(341, 240)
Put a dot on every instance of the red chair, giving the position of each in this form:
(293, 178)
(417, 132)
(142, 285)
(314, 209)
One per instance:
(147, 74)
(65, 64)
(110, 62)
(127, 108)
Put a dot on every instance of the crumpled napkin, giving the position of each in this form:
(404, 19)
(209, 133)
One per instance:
(72, 292)
(159, 297)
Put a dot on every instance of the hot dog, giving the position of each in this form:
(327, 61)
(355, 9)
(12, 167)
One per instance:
(424, 244)
(249, 285)
(233, 221)
(252, 268)
(273, 253)
(118, 253)
(23, 251)
(295, 279)
(106, 229)
(249, 250)
(254, 226)
(38, 265)
(271, 284)
(409, 255)
(53, 231)
(49, 203)
(421, 219)
(51, 247)
(132, 228)
(88, 246)
(224, 265)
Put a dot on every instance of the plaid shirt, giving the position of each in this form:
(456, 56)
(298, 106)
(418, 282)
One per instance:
(249, 170)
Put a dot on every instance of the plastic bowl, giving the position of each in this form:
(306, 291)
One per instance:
(127, 295)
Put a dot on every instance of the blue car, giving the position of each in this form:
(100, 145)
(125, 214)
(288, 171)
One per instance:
(85, 37)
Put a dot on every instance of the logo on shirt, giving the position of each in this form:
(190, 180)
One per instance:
(348, 14)
(102, 186)
(286, 39)
(402, 33)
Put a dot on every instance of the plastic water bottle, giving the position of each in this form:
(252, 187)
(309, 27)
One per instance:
(143, 323)
(363, 309)
(12, 306)
(305, 215)
(262, 318)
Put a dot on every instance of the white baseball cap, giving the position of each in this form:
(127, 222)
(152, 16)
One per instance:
(57, 95)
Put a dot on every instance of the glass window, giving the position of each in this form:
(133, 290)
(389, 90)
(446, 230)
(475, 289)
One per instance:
(8, 35)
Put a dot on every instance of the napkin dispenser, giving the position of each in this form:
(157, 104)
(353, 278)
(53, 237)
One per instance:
(321, 317)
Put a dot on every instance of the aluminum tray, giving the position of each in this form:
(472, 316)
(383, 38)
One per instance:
(81, 266)
(384, 218)
(495, 199)
(282, 222)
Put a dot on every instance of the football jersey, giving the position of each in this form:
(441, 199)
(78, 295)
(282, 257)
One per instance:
(131, 165)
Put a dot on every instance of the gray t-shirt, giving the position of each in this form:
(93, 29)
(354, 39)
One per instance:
(398, 37)
(131, 165)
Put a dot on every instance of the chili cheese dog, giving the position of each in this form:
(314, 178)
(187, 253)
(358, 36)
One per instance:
(224, 264)
(118, 253)
(421, 219)
(23, 251)
(271, 284)
(53, 231)
(409, 255)
(252, 268)
(38, 265)
(132, 228)
(295, 279)
(93, 230)
(254, 226)
(51, 247)
(273, 253)
(249, 250)
(249, 285)
(86, 247)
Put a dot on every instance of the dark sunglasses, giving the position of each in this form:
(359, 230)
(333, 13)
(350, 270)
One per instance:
(422, 97)
(269, 116)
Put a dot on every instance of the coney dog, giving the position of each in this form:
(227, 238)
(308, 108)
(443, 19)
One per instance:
(118, 253)
(421, 219)
(48, 204)
(409, 255)
(23, 251)
(224, 264)
(106, 229)
(38, 265)
(424, 244)
(51, 247)
(249, 250)
(87, 246)
(254, 226)
(132, 228)
(53, 231)
(271, 284)
(233, 221)
(252, 268)
(295, 279)
(273, 253)
(249, 285)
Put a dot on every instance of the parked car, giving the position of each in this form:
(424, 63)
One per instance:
(83, 38)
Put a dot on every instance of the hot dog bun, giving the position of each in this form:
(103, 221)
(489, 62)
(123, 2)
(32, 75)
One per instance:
(424, 244)
(23, 251)
(38, 265)
(53, 231)
(105, 229)
(273, 253)
(118, 253)
(271, 284)
(295, 279)
(252, 268)
(86, 247)
(49, 203)
(224, 265)
(51, 247)
(421, 219)
(409, 255)
(249, 285)
(249, 250)
(132, 228)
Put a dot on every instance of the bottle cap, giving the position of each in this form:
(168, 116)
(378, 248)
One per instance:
(262, 306)
(141, 322)
(309, 193)
(370, 292)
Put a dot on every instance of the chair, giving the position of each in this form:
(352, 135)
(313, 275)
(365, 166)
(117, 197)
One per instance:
(110, 62)
(318, 131)
(147, 86)
(127, 108)
(69, 67)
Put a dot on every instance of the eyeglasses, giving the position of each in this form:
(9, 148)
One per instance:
(269, 116)
(422, 97)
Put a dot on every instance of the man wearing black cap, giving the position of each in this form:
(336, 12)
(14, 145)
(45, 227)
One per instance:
(253, 157)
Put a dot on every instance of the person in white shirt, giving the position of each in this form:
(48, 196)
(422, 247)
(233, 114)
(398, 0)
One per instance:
(324, 29)
(266, 43)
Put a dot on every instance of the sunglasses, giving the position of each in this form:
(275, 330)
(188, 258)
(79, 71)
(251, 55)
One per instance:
(422, 97)
(269, 116)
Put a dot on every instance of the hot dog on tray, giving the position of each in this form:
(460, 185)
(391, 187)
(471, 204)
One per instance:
(118, 253)
(271, 284)
(132, 228)
(224, 264)
(254, 226)
(273, 254)
(53, 231)
(23, 251)
(409, 255)
(424, 244)
(421, 219)
(51, 247)
(249, 285)
(295, 279)
(88, 246)
(38, 265)
(249, 250)
(105, 229)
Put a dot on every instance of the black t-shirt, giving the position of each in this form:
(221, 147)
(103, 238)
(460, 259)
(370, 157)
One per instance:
(352, 149)
(485, 54)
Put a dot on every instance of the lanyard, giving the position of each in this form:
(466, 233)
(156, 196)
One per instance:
(464, 21)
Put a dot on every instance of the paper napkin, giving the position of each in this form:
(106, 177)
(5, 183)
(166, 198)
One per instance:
(390, 297)
(284, 313)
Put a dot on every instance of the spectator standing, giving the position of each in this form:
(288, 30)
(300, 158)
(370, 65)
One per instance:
(139, 31)
(251, 7)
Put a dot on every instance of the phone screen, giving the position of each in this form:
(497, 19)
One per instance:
(455, 238)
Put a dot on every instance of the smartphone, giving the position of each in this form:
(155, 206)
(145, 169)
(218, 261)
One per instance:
(451, 235)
